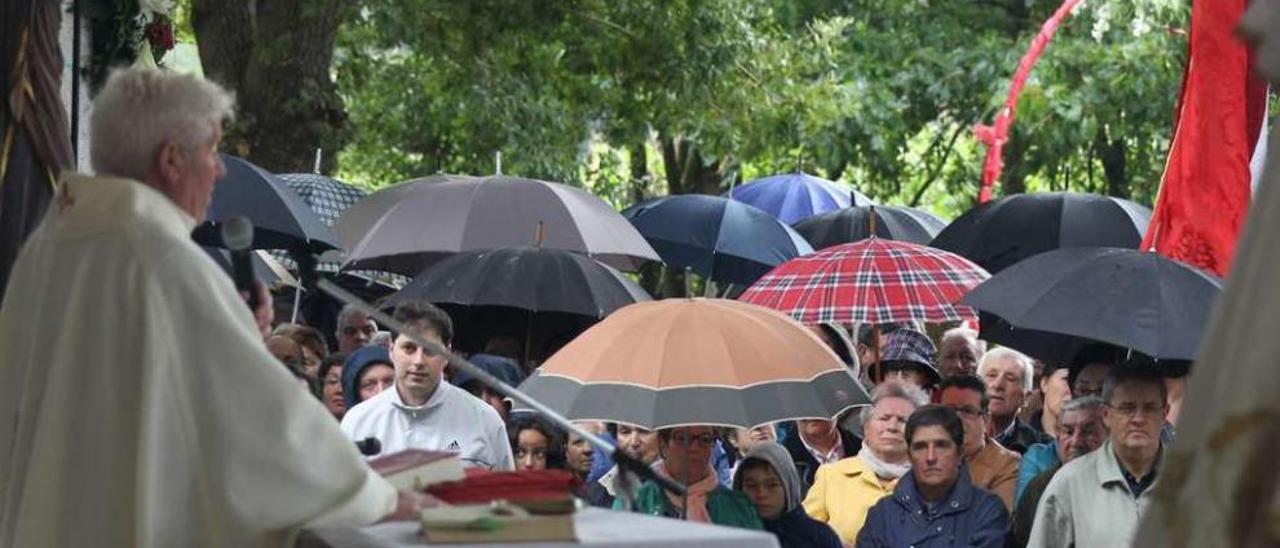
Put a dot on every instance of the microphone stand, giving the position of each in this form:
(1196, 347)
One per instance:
(625, 462)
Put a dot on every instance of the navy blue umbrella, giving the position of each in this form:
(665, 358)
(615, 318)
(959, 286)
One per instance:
(281, 219)
(793, 197)
(721, 239)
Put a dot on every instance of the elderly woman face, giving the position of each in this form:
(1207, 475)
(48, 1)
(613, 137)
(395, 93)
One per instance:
(687, 450)
(884, 432)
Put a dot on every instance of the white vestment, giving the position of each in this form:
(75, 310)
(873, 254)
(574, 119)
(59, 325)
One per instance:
(138, 403)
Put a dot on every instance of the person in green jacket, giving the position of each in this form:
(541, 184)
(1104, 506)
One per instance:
(686, 458)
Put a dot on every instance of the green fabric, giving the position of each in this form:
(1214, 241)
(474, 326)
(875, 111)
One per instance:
(726, 507)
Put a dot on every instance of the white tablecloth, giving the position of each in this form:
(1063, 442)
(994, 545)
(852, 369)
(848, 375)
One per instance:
(595, 527)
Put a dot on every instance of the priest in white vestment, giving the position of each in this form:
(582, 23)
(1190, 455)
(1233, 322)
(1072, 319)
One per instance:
(138, 403)
(1220, 485)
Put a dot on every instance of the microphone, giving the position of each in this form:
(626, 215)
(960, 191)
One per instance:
(237, 237)
(369, 446)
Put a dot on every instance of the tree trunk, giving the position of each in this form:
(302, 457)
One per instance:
(1014, 180)
(687, 173)
(276, 57)
(1112, 155)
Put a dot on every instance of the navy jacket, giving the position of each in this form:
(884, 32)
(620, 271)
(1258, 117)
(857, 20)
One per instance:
(795, 529)
(969, 516)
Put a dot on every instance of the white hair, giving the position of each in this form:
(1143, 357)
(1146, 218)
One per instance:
(965, 332)
(1000, 354)
(139, 109)
(894, 389)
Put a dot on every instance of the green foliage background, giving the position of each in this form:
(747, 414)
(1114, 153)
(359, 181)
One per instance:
(881, 94)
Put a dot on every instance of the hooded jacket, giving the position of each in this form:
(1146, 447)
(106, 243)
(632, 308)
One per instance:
(362, 358)
(968, 516)
(794, 528)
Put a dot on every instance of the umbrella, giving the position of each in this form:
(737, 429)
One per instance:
(527, 278)
(326, 196)
(265, 267)
(544, 294)
(720, 239)
(281, 219)
(1125, 297)
(412, 225)
(674, 362)
(872, 281)
(795, 196)
(1000, 233)
(854, 223)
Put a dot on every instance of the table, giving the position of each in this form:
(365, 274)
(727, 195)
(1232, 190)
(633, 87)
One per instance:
(595, 527)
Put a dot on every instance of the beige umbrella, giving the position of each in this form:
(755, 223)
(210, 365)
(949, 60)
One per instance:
(680, 362)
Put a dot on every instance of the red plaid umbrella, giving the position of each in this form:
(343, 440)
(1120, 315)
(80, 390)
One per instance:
(870, 281)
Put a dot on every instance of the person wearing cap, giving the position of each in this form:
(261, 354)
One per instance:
(505, 369)
(421, 411)
(908, 355)
(367, 372)
(1008, 375)
(991, 466)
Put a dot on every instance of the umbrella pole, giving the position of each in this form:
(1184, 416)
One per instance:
(875, 354)
(297, 300)
(528, 342)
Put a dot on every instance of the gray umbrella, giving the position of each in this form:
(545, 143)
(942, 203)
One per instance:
(409, 226)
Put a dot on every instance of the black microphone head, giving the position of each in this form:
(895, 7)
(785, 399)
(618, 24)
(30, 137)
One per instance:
(369, 446)
(237, 233)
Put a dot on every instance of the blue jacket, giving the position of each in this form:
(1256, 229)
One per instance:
(967, 517)
(1037, 459)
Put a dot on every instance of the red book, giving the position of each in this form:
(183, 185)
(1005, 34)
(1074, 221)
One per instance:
(482, 486)
(417, 469)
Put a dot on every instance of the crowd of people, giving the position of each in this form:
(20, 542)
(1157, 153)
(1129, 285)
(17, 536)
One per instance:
(205, 442)
(968, 444)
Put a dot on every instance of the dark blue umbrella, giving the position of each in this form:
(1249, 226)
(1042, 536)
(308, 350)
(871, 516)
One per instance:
(720, 239)
(281, 219)
(793, 197)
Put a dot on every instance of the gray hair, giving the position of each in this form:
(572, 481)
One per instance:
(345, 314)
(1087, 403)
(139, 109)
(894, 389)
(1003, 353)
(965, 332)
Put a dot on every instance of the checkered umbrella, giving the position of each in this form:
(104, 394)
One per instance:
(870, 281)
(327, 197)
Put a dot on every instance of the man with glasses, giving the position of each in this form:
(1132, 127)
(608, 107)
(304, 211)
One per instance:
(991, 466)
(1098, 499)
(355, 329)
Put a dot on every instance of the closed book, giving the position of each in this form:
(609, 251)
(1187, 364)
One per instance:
(416, 469)
(485, 524)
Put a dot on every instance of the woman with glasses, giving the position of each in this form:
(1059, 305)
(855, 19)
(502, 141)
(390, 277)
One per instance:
(844, 491)
(686, 454)
(535, 444)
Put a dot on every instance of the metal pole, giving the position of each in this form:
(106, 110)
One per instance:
(75, 82)
(495, 383)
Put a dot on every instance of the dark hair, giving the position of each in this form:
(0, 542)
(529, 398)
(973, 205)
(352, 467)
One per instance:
(752, 463)
(310, 338)
(555, 440)
(936, 415)
(866, 330)
(1092, 354)
(966, 382)
(1137, 375)
(430, 316)
(329, 362)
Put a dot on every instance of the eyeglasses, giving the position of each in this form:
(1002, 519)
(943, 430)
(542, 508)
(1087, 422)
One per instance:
(1129, 409)
(704, 440)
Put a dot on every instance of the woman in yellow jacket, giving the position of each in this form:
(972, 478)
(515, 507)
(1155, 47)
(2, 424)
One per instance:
(844, 491)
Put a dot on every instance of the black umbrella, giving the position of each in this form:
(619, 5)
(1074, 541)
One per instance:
(1124, 297)
(521, 291)
(281, 219)
(1000, 233)
(851, 224)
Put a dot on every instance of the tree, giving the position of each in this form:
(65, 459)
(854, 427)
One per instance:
(277, 57)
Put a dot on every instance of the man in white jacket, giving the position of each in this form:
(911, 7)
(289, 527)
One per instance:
(139, 405)
(421, 411)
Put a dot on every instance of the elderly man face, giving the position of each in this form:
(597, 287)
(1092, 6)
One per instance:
(1135, 414)
(186, 175)
(1006, 388)
(968, 404)
(959, 356)
(356, 330)
(1081, 431)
